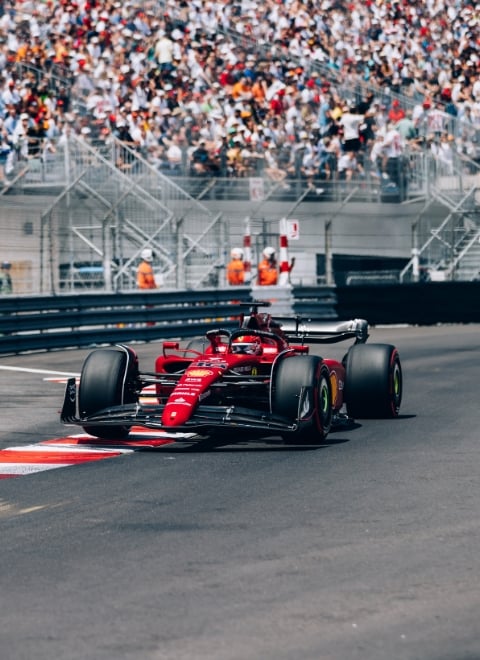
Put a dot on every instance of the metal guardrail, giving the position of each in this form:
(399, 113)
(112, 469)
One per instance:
(54, 322)
(47, 323)
(314, 301)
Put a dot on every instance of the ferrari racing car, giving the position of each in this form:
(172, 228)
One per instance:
(259, 378)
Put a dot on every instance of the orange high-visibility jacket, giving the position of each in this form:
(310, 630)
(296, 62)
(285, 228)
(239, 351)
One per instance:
(267, 273)
(145, 276)
(236, 272)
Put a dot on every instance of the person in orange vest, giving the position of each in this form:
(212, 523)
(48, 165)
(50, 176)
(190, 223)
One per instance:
(145, 275)
(236, 268)
(267, 268)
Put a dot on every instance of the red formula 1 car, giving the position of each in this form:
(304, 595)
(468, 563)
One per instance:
(258, 378)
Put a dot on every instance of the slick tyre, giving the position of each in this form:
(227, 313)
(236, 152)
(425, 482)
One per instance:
(106, 380)
(373, 381)
(302, 393)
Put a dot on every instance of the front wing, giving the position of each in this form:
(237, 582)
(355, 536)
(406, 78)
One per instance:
(205, 418)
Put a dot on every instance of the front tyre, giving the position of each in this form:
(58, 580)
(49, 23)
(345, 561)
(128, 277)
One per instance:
(302, 393)
(107, 379)
(373, 381)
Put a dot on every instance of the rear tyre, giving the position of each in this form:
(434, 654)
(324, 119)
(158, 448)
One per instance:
(302, 393)
(107, 380)
(373, 381)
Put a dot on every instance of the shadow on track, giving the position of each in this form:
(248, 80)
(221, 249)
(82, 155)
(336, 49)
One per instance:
(257, 444)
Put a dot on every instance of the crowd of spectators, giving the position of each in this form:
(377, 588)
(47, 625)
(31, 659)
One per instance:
(276, 88)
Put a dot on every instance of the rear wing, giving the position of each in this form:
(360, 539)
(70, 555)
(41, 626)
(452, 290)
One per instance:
(316, 331)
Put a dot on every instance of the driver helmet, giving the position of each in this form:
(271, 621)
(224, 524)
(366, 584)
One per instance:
(236, 253)
(147, 254)
(269, 252)
(247, 344)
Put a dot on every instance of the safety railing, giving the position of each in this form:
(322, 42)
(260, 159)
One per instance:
(46, 323)
(438, 251)
(54, 163)
(57, 163)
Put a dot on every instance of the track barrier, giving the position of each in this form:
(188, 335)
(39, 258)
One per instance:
(56, 322)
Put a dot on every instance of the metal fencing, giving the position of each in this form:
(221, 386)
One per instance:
(96, 228)
(112, 202)
(450, 250)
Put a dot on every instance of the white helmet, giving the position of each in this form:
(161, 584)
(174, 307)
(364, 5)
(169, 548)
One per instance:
(147, 254)
(268, 252)
(236, 253)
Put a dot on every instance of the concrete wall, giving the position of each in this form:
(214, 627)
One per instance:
(361, 229)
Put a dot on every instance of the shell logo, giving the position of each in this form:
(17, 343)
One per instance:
(200, 373)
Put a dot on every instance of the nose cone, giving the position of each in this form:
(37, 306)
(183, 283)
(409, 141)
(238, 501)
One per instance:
(192, 386)
(176, 412)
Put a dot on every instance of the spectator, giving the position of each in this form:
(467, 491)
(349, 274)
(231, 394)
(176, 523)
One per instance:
(377, 156)
(406, 127)
(267, 268)
(349, 166)
(5, 150)
(236, 268)
(122, 132)
(200, 160)
(272, 169)
(6, 285)
(396, 112)
(11, 95)
(235, 163)
(444, 154)
(437, 120)
(326, 159)
(310, 167)
(145, 274)
(10, 118)
(393, 144)
(164, 50)
(350, 123)
(174, 155)
(118, 56)
(20, 136)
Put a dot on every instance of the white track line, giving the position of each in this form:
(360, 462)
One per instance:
(40, 371)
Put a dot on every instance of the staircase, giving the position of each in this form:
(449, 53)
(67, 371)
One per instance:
(104, 217)
(451, 250)
(466, 265)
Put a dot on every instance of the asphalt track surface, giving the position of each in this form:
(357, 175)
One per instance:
(367, 548)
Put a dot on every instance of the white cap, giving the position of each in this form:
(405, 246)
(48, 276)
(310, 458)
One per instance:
(147, 254)
(269, 251)
(237, 253)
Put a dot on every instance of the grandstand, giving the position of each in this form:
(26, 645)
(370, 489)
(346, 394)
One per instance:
(163, 124)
